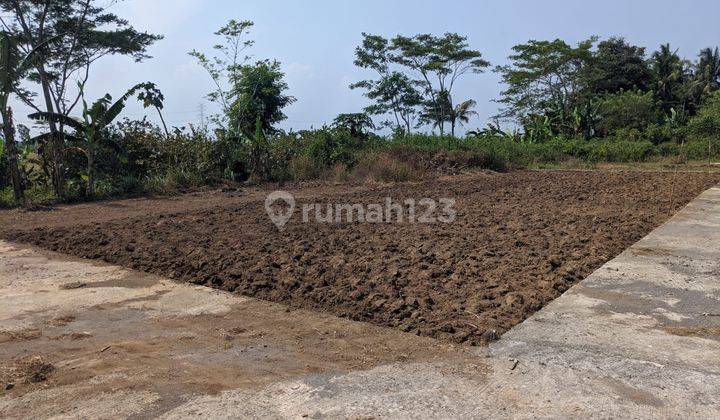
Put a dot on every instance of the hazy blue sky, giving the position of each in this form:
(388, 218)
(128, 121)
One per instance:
(315, 39)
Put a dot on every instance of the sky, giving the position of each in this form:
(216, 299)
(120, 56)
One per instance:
(315, 41)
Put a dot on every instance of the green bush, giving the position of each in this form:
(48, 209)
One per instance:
(664, 133)
(7, 198)
(330, 147)
(625, 111)
(701, 148)
(668, 148)
(620, 151)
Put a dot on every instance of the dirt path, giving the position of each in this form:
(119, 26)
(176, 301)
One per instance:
(519, 241)
(95, 341)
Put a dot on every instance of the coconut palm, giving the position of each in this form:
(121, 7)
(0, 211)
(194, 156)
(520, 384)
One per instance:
(669, 74)
(708, 70)
(461, 114)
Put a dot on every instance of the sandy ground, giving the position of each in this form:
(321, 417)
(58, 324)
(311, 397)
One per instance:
(116, 342)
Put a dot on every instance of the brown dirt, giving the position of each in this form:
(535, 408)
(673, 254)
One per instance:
(29, 369)
(519, 241)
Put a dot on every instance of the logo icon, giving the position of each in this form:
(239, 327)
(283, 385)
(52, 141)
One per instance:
(280, 206)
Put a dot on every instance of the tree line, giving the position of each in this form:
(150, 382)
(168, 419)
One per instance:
(583, 100)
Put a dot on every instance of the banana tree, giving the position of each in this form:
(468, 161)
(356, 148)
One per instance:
(13, 68)
(96, 117)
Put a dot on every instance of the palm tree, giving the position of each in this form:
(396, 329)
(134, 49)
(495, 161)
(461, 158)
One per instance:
(461, 114)
(669, 73)
(708, 70)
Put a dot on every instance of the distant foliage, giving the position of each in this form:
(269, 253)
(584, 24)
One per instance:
(595, 101)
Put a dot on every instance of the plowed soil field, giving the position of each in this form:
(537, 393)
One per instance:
(520, 239)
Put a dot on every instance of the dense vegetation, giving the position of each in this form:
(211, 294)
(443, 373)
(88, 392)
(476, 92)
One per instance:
(598, 101)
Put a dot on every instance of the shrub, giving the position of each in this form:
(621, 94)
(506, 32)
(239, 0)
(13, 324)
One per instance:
(386, 168)
(668, 148)
(663, 133)
(333, 146)
(625, 110)
(704, 130)
(701, 148)
(7, 198)
(302, 168)
(620, 151)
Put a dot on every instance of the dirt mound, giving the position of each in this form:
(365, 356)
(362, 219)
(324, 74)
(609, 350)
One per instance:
(519, 241)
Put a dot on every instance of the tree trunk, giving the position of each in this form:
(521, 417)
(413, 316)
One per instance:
(9, 134)
(452, 127)
(167, 133)
(57, 137)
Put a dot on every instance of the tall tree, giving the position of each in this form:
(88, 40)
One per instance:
(440, 61)
(618, 66)
(417, 75)
(72, 35)
(669, 75)
(707, 72)
(11, 71)
(258, 98)
(544, 74)
(225, 66)
(393, 92)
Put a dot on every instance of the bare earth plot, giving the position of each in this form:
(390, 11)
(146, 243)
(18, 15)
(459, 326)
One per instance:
(640, 337)
(519, 241)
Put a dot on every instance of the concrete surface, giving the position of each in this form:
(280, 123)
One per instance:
(639, 338)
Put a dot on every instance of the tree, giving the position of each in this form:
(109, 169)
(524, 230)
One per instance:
(357, 124)
(707, 72)
(625, 110)
(258, 95)
(618, 66)
(416, 72)
(440, 61)
(225, 67)
(96, 118)
(461, 114)
(393, 92)
(12, 69)
(71, 35)
(544, 72)
(706, 124)
(151, 96)
(669, 74)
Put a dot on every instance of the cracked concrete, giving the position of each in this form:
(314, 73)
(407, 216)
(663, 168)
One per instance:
(639, 338)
